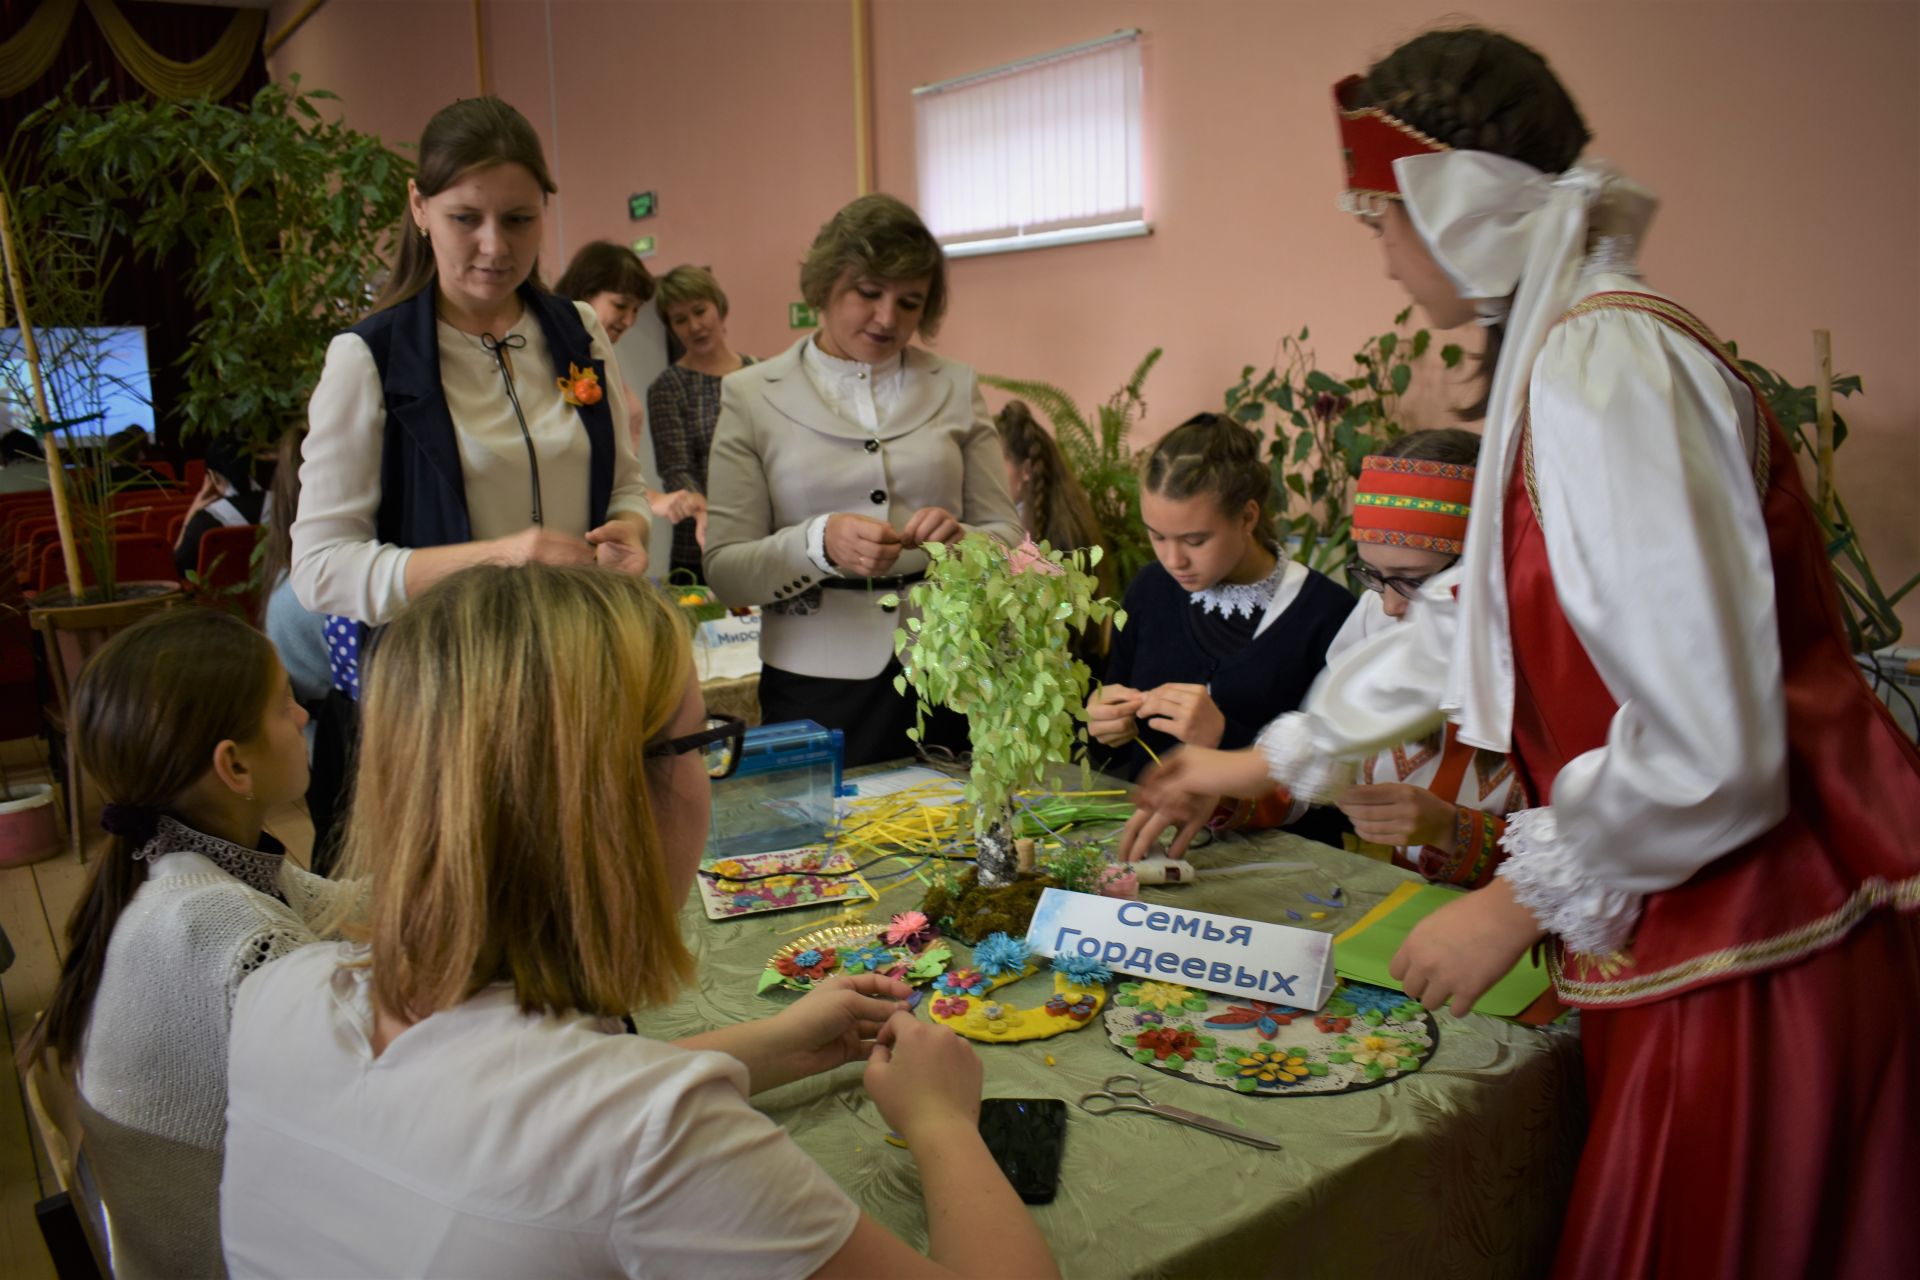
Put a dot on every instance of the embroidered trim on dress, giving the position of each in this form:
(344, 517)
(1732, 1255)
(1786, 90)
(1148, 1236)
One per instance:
(1229, 599)
(1746, 957)
(1678, 318)
(255, 868)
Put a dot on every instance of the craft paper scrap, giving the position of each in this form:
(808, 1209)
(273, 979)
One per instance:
(1219, 953)
(759, 882)
(1364, 951)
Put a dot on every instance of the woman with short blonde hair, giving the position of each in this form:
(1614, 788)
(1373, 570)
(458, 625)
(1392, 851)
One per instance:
(458, 1082)
(837, 463)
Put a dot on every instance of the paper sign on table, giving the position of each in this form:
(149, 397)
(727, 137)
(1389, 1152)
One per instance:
(1364, 951)
(1249, 958)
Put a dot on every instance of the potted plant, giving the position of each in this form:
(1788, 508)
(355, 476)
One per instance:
(1102, 458)
(990, 637)
(1323, 426)
(286, 216)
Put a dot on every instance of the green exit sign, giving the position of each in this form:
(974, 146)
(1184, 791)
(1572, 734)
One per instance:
(802, 316)
(644, 205)
(644, 246)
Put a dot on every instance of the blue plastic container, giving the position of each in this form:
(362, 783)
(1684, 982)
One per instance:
(782, 795)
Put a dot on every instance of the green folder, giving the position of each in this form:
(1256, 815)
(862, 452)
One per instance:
(1364, 951)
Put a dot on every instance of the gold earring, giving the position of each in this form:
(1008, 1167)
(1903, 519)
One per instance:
(423, 233)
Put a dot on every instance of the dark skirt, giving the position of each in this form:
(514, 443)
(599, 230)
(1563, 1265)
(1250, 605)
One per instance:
(873, 716)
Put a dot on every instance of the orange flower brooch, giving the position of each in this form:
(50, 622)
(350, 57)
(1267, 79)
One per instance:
(580, 386)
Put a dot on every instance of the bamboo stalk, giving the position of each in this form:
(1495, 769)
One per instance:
(1823, 402)
(56, 473)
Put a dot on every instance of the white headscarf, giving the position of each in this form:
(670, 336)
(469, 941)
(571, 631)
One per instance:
(1499, 227)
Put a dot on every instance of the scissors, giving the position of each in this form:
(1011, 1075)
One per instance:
(1125, 1093)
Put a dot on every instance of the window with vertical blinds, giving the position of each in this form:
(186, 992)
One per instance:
(1038, 152)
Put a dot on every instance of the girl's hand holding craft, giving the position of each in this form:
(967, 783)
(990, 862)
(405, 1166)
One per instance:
(837, 1022)
(1184, 711)
(1399, 814)
(1180, 793)
(924, 1078)
(1453, 956)
(1110, 713)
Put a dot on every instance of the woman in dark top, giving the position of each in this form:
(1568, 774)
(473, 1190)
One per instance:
(684, 401)
(230, 495)
(1222, 633)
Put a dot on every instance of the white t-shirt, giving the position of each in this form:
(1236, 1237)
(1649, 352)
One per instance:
(488, 1142)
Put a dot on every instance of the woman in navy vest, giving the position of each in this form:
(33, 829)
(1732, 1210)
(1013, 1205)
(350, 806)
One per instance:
(471, 418)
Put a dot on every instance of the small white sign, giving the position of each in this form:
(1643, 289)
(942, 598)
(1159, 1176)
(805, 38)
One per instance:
(1249, 958)
(727, 648)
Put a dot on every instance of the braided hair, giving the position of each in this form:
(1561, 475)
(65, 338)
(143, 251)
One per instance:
(1478, 90)
(1057, 510)
(1212, 453)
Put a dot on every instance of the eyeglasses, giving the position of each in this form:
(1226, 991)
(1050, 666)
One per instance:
(719, 744)
(1372, 579)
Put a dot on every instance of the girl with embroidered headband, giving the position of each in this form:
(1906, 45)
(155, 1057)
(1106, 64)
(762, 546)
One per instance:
(1438, 803)
(187, 724)
(1223, 634)
(1722, 844)
(453, 1092)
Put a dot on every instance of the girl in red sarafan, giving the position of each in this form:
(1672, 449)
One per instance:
(1726, 838)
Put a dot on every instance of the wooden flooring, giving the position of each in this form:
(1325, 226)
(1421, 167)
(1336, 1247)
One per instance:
(34, 904)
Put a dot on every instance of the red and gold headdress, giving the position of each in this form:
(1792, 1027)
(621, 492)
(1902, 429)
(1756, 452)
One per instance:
(1371, 140)
(1413, 502)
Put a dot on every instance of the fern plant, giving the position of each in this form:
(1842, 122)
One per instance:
(1102, 458)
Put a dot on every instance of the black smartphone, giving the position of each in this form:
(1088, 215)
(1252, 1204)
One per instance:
(1026, 1137)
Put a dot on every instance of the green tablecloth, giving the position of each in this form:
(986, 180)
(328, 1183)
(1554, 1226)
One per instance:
(1459, 1170)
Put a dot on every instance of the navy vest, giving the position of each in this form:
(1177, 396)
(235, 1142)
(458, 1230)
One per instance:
(423, 497)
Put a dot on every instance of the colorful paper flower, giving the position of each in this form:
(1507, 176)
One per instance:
(580, 386)
(1385, 1051)
(993, 1018)
(1267, 1018)
(1162, 996)
(811, 964)
(1029, 558)
(928, 964)
(1081, 971)
(1161, 1043)
(1119, 882)
(1148, 1018)
(1329, 1023)
(863, 959)
(1079, 1009)
(909, 929)
(956, 982)
(950, 1006)
(1271, 1067)
(1000, 953)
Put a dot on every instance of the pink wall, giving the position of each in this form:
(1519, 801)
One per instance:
(1785, 139)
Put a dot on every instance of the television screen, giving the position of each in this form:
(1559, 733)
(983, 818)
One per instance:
(97, 374)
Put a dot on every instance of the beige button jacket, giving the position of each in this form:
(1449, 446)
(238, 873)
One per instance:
(782, 456)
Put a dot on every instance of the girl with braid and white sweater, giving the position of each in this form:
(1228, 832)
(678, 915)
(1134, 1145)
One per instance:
(188, 725)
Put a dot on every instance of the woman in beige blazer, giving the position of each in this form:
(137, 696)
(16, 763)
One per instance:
(836, 463)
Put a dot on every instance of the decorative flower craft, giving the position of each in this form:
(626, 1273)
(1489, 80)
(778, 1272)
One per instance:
(1182, 1043)
(1329, 1023)
(909, 929)
(1162, 996)
(1148, 1018)
(868, 959)
(811, 964)
(1079, 1009)
(992, 1018)
(580, 386)
(1266, 1018)
(998, 954)
(928, 964)
(1270, 1067)
(1082, 971)
(956, 982)
(1028, 558)
(951, 1006)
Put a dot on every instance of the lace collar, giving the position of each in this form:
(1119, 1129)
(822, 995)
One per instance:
(255, 868)
(852, 370)
(1234, 599)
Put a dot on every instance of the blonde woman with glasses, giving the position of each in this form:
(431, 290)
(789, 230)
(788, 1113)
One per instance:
(455, 1091)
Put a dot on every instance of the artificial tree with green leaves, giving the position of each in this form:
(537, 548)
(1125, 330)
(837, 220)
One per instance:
(282, 215)
(991, 638)
(1323, 426)
(1101, 457)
